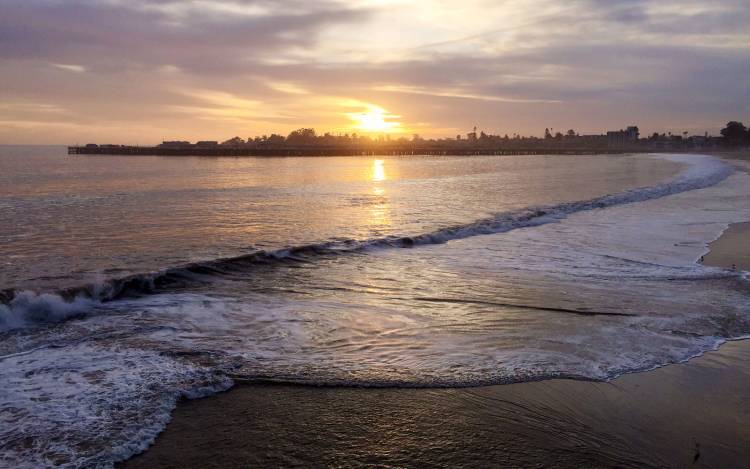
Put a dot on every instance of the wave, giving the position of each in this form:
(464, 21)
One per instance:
(19, 308)
(27, 307)
(705, 345)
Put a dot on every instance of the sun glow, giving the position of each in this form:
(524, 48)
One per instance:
(374, 119)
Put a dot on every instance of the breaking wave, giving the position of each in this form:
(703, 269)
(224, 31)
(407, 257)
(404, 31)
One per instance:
(20, 308)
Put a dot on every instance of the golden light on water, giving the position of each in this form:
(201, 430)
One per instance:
(378, 171)
(379, 213)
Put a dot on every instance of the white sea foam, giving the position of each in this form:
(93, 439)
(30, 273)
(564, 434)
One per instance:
(701, 171)
(30, 308)
(90, 406)
(595, 289)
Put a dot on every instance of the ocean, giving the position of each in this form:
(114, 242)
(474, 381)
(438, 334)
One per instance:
(127, 283)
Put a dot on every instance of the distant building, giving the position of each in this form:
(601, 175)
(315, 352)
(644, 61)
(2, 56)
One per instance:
(589, 141)
(623, 137)
(207, 144)
(632, 133)
(174, 144)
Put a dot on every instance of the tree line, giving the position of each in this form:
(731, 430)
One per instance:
(734, 134)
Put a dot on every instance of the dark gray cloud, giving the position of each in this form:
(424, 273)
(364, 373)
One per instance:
(116, 35)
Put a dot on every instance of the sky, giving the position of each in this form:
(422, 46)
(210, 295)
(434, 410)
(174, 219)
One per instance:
(143, 71)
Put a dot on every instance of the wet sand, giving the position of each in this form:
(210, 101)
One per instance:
(693, 414)
(687, 415)
(732, 248)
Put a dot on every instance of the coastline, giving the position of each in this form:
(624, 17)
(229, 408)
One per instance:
(688, 414)
(732, 247)
(681, 415)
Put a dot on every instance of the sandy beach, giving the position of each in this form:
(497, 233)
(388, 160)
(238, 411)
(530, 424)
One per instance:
(691, 414)
(731, 249)
(686, 415)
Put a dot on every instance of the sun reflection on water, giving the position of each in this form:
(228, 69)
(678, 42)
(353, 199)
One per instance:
(378, 171)
(380, 211)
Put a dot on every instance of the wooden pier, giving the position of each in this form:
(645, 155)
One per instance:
(334, 151)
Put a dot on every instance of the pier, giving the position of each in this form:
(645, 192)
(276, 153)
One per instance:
(335, 151)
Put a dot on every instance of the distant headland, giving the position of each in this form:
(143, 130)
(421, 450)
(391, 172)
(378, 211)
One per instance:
(305, 142)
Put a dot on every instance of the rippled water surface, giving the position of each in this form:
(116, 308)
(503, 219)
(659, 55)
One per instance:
(79, 218)
(132, 281)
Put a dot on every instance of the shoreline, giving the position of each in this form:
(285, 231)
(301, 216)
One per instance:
(678, 415)
(730, 249)
(685, 414)
(689, 414)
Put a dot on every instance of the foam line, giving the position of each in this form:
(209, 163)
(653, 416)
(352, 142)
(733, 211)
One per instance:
(19, 307)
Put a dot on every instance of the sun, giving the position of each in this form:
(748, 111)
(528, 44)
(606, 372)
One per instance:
(374, 119)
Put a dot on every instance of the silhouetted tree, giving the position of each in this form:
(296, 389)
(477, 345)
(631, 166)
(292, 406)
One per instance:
(735, 132)
(305, 136)
(233, 142)
(275, 139)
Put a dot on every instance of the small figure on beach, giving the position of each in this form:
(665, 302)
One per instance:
(701, 259)
(734, 267)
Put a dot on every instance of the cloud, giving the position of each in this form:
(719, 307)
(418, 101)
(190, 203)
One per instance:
(289, 88)
(198, 36)
(70, 67)
(211, 69)
(458, 94)
(220, 105)
(31, 107)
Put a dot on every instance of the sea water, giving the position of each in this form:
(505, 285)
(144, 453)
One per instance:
(130, 282)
